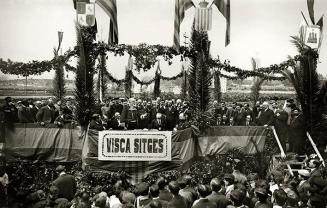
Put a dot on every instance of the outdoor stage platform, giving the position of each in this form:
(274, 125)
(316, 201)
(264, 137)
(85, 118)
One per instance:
(68, 144)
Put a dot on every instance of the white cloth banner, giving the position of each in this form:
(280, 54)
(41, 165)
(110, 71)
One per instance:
(134, 145)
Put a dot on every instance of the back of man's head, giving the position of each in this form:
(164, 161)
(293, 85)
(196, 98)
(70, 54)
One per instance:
(203, 190)
(280, 197)
(155, 204)
(154, 191)
(174, 187)
(161, 182)
(215, 184)
(187, 179)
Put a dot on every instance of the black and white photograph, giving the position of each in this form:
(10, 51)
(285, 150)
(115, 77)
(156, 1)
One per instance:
(163, 104)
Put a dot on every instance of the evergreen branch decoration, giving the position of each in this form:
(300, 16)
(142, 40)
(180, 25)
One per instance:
(156, 88)
(84, 90)
(181, 74)
(128, 83)
(217, 89)
(184, 85)
(257, 82)
(59, 78)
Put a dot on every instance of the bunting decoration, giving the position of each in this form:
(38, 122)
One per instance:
(224, 8)
(180, 7)
(110, 7)
(203, 17)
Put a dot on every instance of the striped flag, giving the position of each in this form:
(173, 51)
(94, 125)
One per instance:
(180, 7)
(224, 8)
(310, 4)
(110, 7)
(203, 19)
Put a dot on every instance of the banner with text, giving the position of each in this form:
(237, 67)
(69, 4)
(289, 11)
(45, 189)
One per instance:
(134, 146)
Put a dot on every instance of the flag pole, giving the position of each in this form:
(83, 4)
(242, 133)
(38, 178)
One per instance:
(316, 149)
(304, 18)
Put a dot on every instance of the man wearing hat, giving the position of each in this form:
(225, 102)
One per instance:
(262, 195)
(8, 111)
(65, 183)
(24, 113)
(96, 122)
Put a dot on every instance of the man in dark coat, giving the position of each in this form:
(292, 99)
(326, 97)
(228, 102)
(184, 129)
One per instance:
(164, 194)
(154, 192)
(115, 123)
(9, 111)
(24, 113)
(266, 115)
(177, 201)
(47, 113)
(170, 113)
(297, 134)
(280, 124)
(203, 191)
(65, 183)
(159, 123)
(216, 196)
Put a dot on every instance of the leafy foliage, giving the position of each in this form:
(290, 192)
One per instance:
(310, 95)
(59, 78)
(256, 87)
(84, 90)
(217, 90)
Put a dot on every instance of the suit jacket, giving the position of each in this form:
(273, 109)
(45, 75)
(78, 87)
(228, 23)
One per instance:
(219, 199)
(46, 114)
(113, 124)
(177, 202)
(67, 186)
(162, 126)
(165, 195)
(24, 115)
(266, 117)
(164, 204)
(204, 203)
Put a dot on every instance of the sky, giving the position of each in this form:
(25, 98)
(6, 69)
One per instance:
(259, 28)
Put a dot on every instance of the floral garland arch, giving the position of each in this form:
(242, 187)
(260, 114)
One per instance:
(145, 58)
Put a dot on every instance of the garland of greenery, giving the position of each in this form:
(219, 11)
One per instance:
(138, 81)
(145, 58)
(113, 79)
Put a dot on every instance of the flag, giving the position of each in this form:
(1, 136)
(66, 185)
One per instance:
(180, 7)
(85, 13)
(321, 24)
(310, 4)
(110, 7)
(224, 8)
(203, 19)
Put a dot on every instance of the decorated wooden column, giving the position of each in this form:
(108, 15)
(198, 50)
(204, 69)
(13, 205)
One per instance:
(84, 86)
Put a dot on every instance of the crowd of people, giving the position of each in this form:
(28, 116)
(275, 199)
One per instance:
(306, 188)
(121, 114)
